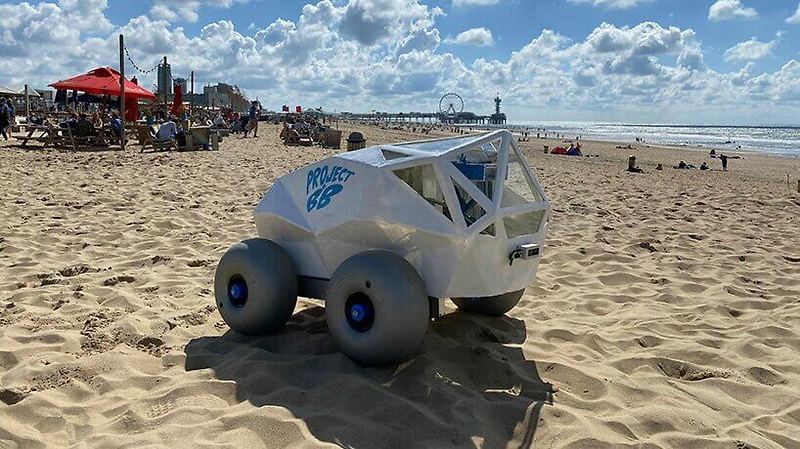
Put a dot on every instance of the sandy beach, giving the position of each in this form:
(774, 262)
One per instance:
(665, 314)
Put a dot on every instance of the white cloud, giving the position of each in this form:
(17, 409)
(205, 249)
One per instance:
(795, 19)
(475, 2)
(613, 4)
(187, 10)
(752, 50)
(723, 10)
(480, 37)
(371, 21)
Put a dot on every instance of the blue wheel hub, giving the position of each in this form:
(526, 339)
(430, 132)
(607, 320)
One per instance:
(359, 312)
(237, 291)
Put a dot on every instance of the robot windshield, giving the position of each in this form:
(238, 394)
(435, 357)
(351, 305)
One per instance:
(479, 165)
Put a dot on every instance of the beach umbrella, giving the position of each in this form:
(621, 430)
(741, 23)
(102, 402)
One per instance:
(103, 81)
(132, 107)
(177, 102)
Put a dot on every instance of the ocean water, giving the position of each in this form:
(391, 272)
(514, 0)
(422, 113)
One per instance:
(768, 139)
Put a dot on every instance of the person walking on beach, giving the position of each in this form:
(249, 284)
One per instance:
(724, 160)
(252, 119)
(4, 118)
(12, 117)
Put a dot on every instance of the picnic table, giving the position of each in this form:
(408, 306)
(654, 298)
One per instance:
(59, 137)
(49, 136)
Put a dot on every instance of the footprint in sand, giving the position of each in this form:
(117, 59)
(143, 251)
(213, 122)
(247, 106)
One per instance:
(110, 282)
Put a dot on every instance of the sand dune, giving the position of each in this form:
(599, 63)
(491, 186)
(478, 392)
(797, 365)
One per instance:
(666, 314)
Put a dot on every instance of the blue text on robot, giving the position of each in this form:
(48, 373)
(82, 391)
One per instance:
(323, 183)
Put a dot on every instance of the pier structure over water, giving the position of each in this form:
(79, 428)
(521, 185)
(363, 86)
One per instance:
(463, 118)
(451, 112)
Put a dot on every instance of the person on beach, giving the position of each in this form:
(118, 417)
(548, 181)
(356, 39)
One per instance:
(724, 160)
(219, 121)
(12, 117)
(167, 130)
(116, 124)
(252, 119)
(4, 122)
(83, 127)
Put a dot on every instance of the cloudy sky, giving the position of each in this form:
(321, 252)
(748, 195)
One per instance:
(655, 61)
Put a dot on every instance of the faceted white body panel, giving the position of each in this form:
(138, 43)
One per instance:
(440, 204)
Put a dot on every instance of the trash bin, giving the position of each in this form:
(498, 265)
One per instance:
(356, 141)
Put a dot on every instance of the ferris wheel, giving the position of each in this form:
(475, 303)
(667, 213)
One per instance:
(451, 104)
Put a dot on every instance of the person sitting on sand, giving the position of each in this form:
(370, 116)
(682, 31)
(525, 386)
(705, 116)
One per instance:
(703, 166)
(681, 166)
(712, 153)
(574, 150)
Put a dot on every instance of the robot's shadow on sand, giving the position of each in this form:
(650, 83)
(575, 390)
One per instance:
(469, 382)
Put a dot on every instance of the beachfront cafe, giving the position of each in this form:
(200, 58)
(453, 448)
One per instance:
(91, 120)
(69, 130)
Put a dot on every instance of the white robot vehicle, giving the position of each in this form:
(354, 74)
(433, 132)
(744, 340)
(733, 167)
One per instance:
(383, 235)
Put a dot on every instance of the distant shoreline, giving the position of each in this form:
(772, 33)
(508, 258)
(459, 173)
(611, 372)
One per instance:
(777, 140)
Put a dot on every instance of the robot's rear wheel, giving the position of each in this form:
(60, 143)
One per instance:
(255, 287)
(377, 308)
(490, 305)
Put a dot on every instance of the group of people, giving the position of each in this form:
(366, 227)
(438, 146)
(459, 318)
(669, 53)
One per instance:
(170, 128)
(572, 150)
(82, 126)
(7, 117)
(704, 166)
(234, 121)
(295, 128)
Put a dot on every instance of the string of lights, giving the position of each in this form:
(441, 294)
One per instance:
(136, 66)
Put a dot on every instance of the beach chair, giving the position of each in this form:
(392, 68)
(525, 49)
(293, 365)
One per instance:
(331, 139)
(146, 140)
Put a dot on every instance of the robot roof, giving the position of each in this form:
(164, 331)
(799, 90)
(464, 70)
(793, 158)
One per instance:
(381, 155)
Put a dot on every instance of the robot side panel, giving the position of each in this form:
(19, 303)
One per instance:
(432, 255)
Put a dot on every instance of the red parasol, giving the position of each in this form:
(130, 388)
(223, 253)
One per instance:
(132, 106)
(103, 81)
(177, 102)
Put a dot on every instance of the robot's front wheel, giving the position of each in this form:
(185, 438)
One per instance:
(490, 305)
(255, 287)
(377, 309)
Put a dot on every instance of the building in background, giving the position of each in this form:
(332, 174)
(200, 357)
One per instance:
(47, 95)
(164, 80)
(224, 95)
(183, 83)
